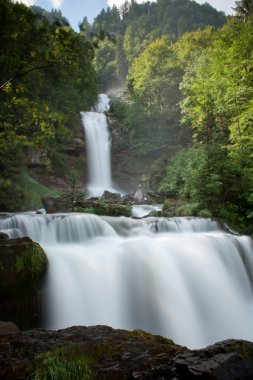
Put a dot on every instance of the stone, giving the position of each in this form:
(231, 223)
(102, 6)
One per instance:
(138, 195)
(111, 197)
(8, 328)
(22, 266)
(4, 236)
(21, 260)
(120, 354)
(128, 198)
(54, 204)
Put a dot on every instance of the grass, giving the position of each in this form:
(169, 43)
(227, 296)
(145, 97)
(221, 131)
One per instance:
(34, 191)
(68, 363)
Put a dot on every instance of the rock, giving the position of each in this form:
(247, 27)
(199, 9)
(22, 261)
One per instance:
(4, 236)
(21, 260)
(153, 197)
(170, 206)
(36, 157)
(22, 265)
(102, 207)
(54, 204)
(119, 354)
(128, 198)
(8, 328)
(138, 195)
(111, 197)
(226, 360)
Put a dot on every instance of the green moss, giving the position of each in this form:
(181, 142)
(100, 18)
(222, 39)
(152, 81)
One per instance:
(145, 336)
(34, 191)
(68, 363)
(242, 348)
(104, 350)
(102, 207)
(33, 261)
(88, 210)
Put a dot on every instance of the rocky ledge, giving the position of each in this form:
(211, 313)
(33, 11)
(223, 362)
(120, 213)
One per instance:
(100, 352)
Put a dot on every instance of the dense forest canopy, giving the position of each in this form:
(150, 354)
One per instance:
(186, 71)
(47, 77)
(135, 25)
(190, 89)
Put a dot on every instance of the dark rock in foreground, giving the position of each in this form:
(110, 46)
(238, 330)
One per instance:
(119, 354)
(22, 266)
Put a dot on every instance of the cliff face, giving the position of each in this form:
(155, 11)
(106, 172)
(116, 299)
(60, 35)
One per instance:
(111, 354)
(128, 168)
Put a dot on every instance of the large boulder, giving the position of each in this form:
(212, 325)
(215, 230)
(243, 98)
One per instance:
(22, 265)
(54, 204)
(111, 197)
(21, 261)
(100, 352)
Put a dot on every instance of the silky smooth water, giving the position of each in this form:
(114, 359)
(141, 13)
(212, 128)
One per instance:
(184, 278)
(98, 148)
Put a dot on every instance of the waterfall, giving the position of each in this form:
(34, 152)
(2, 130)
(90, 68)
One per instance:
(98, 148)
(188, 279)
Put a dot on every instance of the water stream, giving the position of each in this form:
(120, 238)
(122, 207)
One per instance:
(98, 148)
(188, 279)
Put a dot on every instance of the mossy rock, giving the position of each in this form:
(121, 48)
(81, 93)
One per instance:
(101, 207)
(21, 261)
(170, 205)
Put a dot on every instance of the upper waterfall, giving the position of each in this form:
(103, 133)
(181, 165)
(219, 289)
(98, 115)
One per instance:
(98, 147)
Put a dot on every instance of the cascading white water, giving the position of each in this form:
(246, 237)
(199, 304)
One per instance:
(98, 148)
(184, 278)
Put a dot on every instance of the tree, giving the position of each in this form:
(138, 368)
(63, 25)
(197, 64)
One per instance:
(244, 9)
(47, 77)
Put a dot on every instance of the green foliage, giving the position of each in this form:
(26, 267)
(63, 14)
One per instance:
(32, 192)
(217, 174)
(153, 77)
(134, 26)
(188, 209)
(62, 363)
(73, 199)
(47, 78)
(244, 9)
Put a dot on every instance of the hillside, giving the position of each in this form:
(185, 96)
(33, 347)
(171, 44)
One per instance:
(182, 126)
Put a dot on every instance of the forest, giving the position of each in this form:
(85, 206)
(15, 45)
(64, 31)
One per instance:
(186, 72)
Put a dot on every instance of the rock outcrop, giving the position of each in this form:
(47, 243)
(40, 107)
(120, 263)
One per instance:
(21, 260)
(112, 354)
(22, 265)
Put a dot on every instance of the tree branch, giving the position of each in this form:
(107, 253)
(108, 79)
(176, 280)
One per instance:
(21, 74)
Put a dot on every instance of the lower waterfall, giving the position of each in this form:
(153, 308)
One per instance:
(188, 279)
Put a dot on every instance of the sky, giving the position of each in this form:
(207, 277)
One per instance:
(76, 10)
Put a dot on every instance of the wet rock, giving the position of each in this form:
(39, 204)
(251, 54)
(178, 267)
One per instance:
(128, 198)
(139, 195)
(21, 260)
(226, 360)
(119, 354)
(54, 204)
(22, 265)
(111, 197)
(4, 236)
(8, 328)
